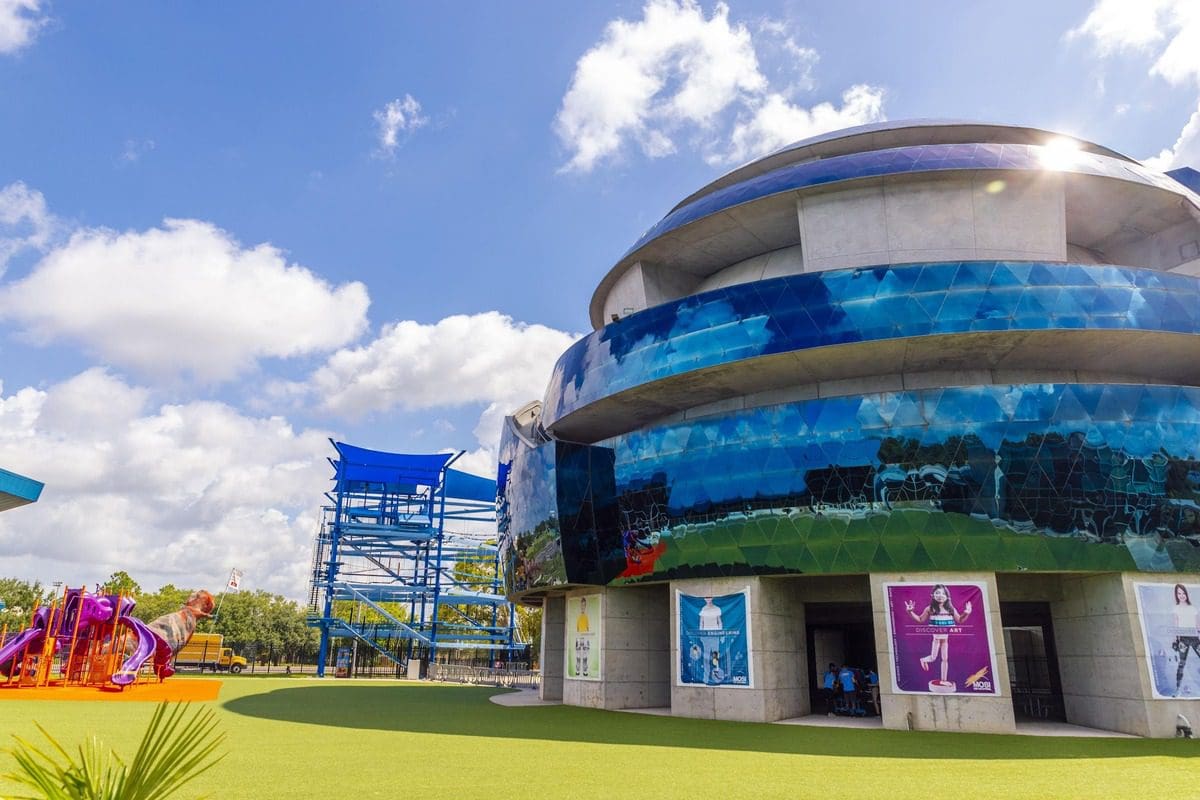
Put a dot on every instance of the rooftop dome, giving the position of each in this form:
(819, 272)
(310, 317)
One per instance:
(897, 133)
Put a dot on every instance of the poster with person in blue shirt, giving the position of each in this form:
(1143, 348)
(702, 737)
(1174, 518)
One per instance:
(714, 639)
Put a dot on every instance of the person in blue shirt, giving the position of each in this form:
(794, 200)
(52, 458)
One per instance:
(873, 685)
(829, 687)
(849, 685)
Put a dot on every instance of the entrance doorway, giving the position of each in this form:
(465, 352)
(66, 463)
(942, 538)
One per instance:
(1032, 661)
(841, 633)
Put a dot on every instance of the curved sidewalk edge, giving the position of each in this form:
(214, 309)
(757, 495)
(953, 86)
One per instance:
(522, 697)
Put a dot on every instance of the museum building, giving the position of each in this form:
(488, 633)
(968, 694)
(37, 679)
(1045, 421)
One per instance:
(917, 397)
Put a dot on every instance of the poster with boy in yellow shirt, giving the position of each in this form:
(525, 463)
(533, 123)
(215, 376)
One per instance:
(583, 637)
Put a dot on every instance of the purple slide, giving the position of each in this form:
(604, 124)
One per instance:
(31, 637)
(148, 643)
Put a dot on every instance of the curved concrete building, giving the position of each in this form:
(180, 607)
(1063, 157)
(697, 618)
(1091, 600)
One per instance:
(921, 398)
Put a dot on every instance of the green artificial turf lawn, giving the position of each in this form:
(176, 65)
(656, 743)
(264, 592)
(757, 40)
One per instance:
(300, 738)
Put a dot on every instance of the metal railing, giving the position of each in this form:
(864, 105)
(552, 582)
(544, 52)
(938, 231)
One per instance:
(486, 676)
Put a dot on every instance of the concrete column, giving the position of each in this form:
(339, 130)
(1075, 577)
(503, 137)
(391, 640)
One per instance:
(554, 612)
(992, 714)
(1102, 657)
(777, 658)
(634, 655)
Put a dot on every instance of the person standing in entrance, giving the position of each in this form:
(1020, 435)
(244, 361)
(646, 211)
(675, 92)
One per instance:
(873, 685)
(828, 684)
(849, 688)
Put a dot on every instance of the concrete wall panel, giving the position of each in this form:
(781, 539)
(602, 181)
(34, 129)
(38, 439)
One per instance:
(931, 712)
(942, 218)
(554, 613)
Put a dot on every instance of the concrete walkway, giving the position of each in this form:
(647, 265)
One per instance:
(529, 697)
(522, 698)
(1024, 728)
(1044, 728)
(823, 721)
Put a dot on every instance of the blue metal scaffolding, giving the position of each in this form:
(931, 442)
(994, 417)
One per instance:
(405, 561)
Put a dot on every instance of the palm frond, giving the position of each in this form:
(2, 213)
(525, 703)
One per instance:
(175, 749)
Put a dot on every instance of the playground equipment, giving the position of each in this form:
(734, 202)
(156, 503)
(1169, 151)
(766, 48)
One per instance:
(388, 573)
(84, 640)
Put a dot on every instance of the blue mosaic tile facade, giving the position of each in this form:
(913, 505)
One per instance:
(527, 514)
(811, 310)
(1010, 478)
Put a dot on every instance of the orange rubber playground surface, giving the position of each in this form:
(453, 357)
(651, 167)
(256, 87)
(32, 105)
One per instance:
(182, 691)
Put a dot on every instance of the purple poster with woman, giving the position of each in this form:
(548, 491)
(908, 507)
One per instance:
(941, 638)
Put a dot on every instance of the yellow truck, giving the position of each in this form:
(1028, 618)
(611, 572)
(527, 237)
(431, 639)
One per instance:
(207, 651)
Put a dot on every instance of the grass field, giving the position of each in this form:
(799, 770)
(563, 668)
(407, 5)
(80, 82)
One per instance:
(301, 738)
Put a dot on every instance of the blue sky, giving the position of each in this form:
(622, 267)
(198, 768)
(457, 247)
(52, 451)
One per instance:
(226, 235)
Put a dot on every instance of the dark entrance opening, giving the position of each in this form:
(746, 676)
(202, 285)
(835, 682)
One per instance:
(842, 633)
(1032, 661)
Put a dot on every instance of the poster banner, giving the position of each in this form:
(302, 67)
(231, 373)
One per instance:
(941, 638)
(584, 616)
(714, 640)
(1171, 631)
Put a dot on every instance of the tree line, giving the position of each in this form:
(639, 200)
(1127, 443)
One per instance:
(258, 623)
(255, 624)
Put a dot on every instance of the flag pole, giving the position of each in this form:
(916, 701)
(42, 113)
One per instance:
(234, 582)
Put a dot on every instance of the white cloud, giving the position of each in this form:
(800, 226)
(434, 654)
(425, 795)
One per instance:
(675, 71)
(25, 222)
(777, 122)
(134, 149)
(185, 298)
(20, 21)
(480, 461)
(460, 359)
(179, 493)
(1169, 32)
(400, 116)
(1117, 25)
(1184, 153)
(1168, 29)
(485, 358)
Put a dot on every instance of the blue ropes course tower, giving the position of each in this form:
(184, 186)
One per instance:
(405, 561)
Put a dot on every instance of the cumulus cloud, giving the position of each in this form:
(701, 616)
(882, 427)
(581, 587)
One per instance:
(1184, 153)
(176, 493)
(485, 358)
(1168, 31)
(676, 71)
(400, 116)
(25, 221)
(134, 149)
(20, 21)
(777, 122)
(182, 299)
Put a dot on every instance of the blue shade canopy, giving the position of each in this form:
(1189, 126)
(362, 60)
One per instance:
(399, 469)
(464, 486)
(17, 490)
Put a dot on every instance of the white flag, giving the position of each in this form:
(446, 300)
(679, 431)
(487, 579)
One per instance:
(235, 579)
